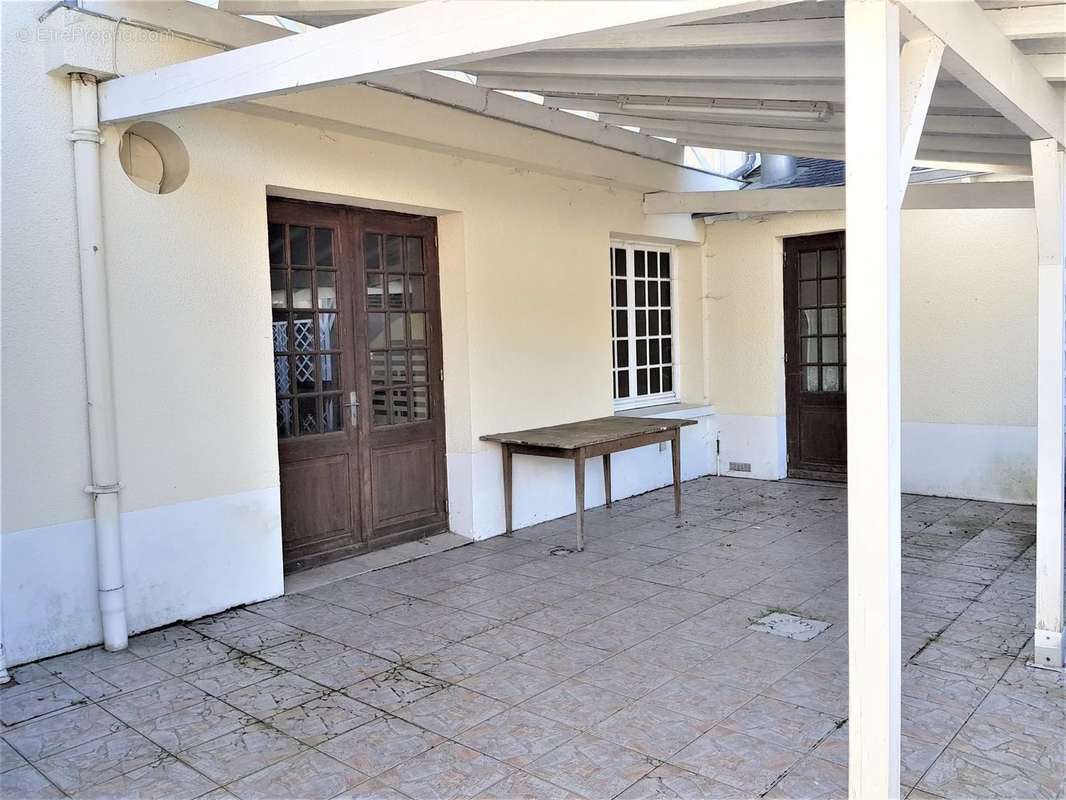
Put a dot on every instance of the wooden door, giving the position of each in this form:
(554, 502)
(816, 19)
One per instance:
(352, 479)
(816, 356)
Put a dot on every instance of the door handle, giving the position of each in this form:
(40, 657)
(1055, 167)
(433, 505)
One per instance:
(353, 407)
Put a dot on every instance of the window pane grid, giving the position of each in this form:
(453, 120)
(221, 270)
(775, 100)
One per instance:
(642, 319)
(306, 336)
(822, 321)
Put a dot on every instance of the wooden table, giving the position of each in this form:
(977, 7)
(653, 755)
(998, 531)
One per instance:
(588, 439)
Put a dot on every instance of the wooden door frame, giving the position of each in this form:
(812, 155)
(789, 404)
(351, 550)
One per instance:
(350, 246)
(790, 281)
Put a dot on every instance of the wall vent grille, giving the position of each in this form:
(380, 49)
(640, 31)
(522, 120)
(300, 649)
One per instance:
(739, 466)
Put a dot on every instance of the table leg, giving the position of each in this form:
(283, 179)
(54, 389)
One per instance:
(675, 455)
(579, 497)
(507, 486)
(607, 478)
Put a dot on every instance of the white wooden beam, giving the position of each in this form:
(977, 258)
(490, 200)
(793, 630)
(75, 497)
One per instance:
(189, 20)
(953, 97)
(317, 8)
(1031, 22)
(997, 194)
(803, 32)
(919, 64)
(434, 34)
(786, 64)
(872, 219)
(1049, 179)
(990, 65)
(1050, 66)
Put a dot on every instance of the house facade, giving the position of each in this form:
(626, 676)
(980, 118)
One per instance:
(525, 299)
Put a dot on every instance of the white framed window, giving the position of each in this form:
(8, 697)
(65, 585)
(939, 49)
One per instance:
(643, 320)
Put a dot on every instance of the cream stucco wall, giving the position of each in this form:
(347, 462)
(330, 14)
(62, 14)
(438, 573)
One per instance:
(525, 307)
(968, 342)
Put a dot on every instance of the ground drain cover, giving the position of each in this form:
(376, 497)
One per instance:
(789, 625)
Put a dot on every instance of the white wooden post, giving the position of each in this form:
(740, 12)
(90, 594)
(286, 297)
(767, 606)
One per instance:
(872, 213)
(1049, 189)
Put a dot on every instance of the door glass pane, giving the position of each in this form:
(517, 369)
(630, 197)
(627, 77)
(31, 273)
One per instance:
(305, 373)
(668, 379)
(809, 350)
(416, 287)
(414, 254)
(808, 265)
(282, 375)
(396, 329)
(323, 247)
(418, 328)
(281, 332)
(327, 289)
(623, 384)
(329, 336)
(808, 294)
(375, 330)
(398, 367)
(330, 372)
(831, 379)
(642, 381)
(667, 354)
(400, 406)
(396, 285)
(372, 251)
(829, 263)
(379, 407)
(285, 418)
(808, 322)
(278, 298)
(393, 253)
(379, 372)
(829, 292)
(830, 320)
(810, 379)
(331, 413)
(375, 293)
(299, 245)
(307, 414)
(301, 288)
(654, 386)
(419, 366)
(830, 349)
(653, 322)
(420, 402)
(303, 332)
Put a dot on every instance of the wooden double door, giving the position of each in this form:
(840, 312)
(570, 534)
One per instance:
(358, 379)
(816, 371)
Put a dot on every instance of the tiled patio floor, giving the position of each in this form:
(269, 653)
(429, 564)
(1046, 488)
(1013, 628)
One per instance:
(499, 670)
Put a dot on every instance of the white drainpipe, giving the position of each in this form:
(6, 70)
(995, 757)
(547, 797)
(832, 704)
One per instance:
(85, 133)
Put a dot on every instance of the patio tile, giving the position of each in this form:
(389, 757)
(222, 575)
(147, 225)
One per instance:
(812, 778)
(53, 734)
(234, 674)
(154, 701)
(592, 767)
(268, 633)
(401, 643)
(812, 691)
(394, 688)
(451, 710)
(651, 729)
(302, 652)
(577, 704)
(357, 596)
(274, 695)
(960, 774)
(517, 737)
(508, 640)
(308, 775)
(228, 621)
(458, 625)
(446, 772)
(26, 783)
(456, 662)
(164, 640)
(117, 680)
(38, 702)
(319, 720)
(739, 760)
(187, 727)
(99, 760)
(523, 786)
(345, 669)
(703, 700)
(9, 757)
(380, 745)
(165, 778)
(512, 682)
(241, 752)
(781, 723)
(626, 675)
(563, 657)
(286, 605)
(673, 782)
(91, 659)
(192, 658)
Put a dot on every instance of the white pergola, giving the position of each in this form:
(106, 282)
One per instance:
(888, 84)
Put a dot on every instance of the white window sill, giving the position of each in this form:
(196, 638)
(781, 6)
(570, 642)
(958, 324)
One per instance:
(675, 410)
